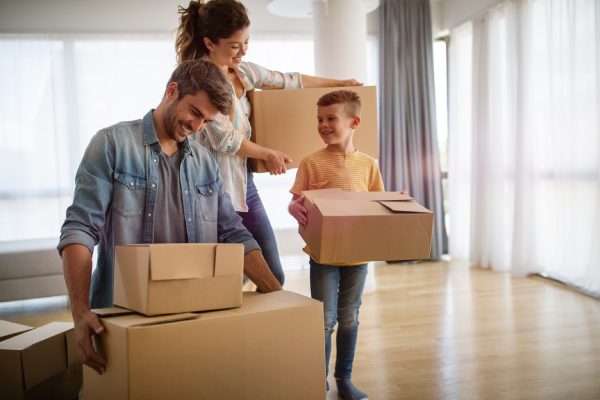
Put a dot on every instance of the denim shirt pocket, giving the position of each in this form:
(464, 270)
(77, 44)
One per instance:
(207, 201)
(129, 194)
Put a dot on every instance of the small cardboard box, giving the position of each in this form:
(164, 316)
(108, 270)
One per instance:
(9, 329)
(286, 120)
(347, 227)
(155, 279)
(41, 364)
(270, 348)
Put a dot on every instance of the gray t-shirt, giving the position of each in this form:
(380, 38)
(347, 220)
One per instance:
(169, 221)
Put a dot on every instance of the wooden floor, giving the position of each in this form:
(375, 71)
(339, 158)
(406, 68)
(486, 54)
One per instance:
(444, 331)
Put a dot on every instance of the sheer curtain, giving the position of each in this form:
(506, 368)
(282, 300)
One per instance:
(524, 156)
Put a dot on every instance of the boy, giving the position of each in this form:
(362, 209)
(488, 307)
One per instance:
(339, 286)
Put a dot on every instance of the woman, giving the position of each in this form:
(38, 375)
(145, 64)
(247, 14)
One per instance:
(219, 31)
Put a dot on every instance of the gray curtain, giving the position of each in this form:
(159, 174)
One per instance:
(409, 155)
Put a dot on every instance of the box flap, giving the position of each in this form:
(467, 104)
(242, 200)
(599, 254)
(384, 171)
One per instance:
(405, 206)
(181, 261)
(126, 321)
(111, 311)
(229, 259)
(9, 329)
(340, 194)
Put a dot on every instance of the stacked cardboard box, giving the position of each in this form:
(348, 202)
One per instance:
(347, 227)
(155, 279)
(40, 363)
(286, 120)
(270, 348)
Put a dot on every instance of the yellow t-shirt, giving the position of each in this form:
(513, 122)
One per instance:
(357, 172)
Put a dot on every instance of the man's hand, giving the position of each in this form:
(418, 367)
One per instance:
(87, 324)
(256, 268)
(297, 210)
(275, 162)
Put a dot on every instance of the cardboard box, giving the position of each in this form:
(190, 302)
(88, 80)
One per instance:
(9, 329)
(41, 364)
(173, 278)
(270, 348)
(286, 120)
(347, 227)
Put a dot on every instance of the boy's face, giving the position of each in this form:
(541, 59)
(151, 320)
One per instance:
(336, 126)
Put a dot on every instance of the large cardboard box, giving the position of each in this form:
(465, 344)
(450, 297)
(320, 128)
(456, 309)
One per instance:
(270, 348)
(347, 227)
(155, 279)
(286, 120)
(9, 329)
(41, 364)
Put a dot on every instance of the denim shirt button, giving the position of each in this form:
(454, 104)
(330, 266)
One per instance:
(155, 160)
(186, 192)
(209, 190)
(153, 185)
(149, 214)
(131, 183)
(189, 220)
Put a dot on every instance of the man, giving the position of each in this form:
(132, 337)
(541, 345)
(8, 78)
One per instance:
(143, 181)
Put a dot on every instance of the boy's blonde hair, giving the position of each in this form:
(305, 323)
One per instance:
(348, 98)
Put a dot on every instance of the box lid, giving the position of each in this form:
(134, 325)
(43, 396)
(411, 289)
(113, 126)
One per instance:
(134, 319)
(44, 351)
(337, 202)
(192, 261)
(9, 329)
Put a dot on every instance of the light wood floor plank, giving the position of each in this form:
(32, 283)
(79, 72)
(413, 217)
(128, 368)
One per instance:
(446, 331)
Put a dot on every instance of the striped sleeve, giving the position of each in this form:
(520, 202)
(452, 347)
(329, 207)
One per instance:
(376, 181)
(222, 136)
(301, 182)
(263, 78)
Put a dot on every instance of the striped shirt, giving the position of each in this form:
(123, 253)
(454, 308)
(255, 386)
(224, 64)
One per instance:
(357, 172)
(224, 135)
(323, 169)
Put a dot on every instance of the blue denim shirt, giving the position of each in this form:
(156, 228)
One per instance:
(115, 193)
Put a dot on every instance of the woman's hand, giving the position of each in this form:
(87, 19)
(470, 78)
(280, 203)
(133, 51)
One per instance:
(298, 211)
(275, 162)
(350, 82)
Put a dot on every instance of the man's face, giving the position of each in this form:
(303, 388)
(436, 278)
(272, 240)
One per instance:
(188, 115)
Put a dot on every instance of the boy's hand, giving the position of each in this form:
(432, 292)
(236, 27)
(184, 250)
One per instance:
(298, 211)
(275, 162)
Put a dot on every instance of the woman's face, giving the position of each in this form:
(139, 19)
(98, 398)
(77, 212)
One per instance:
(229, 52)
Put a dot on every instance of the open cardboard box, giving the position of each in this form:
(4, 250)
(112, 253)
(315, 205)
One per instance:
(41, 363)
(286, 120)
(270, 348)
(157, 279)
(350, 227)
(9, 329)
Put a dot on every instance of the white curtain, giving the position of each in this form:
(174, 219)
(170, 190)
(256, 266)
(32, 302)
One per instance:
(524, 153)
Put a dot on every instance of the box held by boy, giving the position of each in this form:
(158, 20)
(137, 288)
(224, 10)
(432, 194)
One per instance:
(350, 227)
(155, 279)
(285, 120)
(41, 364)
(270, 348)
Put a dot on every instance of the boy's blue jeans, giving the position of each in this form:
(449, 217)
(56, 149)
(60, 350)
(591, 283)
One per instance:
(340, 289)
(257, 222)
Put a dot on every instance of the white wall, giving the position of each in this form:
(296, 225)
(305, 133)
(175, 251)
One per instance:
(129, 16)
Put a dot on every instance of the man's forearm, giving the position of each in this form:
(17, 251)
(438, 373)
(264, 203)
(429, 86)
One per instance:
(256, 268)
(77, 269)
